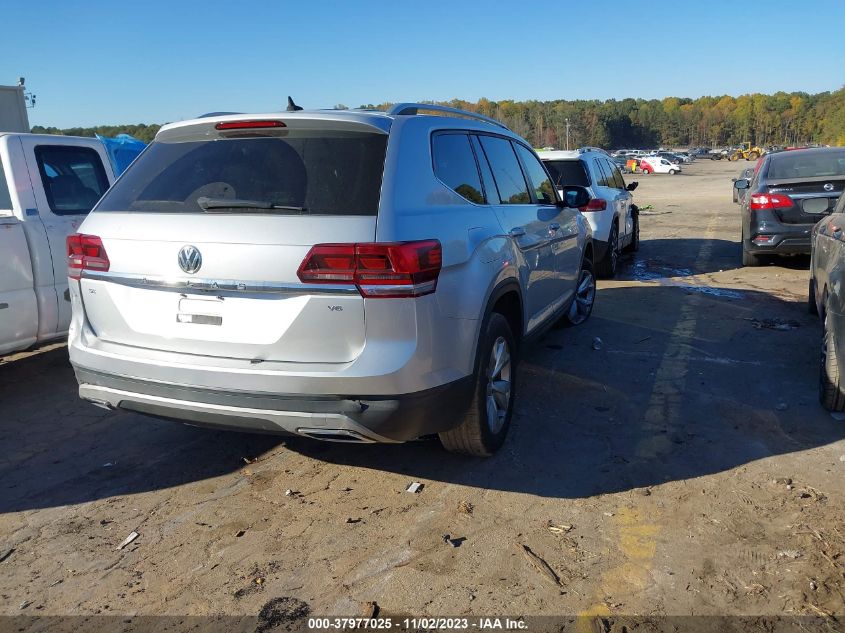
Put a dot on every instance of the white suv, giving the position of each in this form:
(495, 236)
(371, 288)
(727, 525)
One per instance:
(610, 212)
(354, 276)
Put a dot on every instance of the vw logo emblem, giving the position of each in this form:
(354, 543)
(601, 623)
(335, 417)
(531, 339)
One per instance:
(828, 186)
(190, 259)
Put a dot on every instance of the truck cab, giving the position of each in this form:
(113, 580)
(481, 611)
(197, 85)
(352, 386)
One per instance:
(48, 184)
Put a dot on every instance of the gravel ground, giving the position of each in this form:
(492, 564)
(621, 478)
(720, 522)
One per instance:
(685, 468)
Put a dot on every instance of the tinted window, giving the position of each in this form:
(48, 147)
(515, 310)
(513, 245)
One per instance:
(5, 198)
(567, 172)
(544, 192)
(73, 177)
(616, 177)
(506, 171)
(491, 194)
(602, 178)
(322, 172)
(454, 165)
(798, 164)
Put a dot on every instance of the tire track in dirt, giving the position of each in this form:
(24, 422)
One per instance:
(637, 530)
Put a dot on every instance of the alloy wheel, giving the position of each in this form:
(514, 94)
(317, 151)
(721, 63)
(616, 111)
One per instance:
(498, 385)
(585, 296)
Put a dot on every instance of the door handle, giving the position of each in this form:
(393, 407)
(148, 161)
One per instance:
(517, 231)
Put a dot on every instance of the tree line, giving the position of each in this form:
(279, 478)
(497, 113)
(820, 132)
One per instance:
(783, 118)
(141, 131)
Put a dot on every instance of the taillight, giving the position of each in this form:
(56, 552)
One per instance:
(403, 269)
(769, 201)
(595, 204)
(85, 252)
(247, 125)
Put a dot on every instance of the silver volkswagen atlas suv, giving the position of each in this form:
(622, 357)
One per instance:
(355, 276)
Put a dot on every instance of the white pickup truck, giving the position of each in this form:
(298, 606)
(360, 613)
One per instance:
(48, 184)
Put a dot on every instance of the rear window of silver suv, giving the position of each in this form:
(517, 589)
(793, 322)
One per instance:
(305, 172)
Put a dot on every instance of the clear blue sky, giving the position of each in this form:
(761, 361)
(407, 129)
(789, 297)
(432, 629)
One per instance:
(97, 62)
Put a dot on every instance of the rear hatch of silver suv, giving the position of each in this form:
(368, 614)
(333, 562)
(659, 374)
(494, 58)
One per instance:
(197, 249)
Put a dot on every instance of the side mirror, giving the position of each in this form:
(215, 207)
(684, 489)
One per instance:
(574, 196)
(632, 185)
(741, 183)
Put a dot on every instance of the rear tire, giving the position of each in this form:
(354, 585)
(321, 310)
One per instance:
(750, 259)
(831, 395)
(812, 306)
(485, 425)
(610, 262)
(634, 246)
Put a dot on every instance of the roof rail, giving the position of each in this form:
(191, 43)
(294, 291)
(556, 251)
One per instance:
(412, 108)
(589, 148)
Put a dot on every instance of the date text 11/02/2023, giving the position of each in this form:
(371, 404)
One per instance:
(424, 623)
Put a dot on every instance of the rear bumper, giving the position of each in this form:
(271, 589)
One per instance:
(782, 238)
(789, 243)
(350, 418)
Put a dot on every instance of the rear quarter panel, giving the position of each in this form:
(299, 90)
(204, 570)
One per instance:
(415, 205)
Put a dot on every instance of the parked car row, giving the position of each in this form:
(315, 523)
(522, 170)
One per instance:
(792, 203)
(352, 276)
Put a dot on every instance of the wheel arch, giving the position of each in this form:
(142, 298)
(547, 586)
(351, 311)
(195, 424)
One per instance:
(506, 299)
(588, 252)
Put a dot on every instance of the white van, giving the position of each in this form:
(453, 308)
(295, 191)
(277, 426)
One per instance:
(658, 165)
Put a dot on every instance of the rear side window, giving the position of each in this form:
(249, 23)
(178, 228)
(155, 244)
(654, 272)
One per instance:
(5, 197)
(567, 172)
(544, 192)
(492, 194)
(316, 172)
(506, 170)
(454, 165)
(617, 182)
(602, 178)
(73, 177)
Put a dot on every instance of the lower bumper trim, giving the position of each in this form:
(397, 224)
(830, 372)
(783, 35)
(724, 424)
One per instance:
(336, 418)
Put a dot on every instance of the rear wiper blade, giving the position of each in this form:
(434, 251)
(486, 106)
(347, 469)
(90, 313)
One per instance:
(212, 204)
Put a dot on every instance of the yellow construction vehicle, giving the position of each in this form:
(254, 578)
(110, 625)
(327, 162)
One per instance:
(746, 151)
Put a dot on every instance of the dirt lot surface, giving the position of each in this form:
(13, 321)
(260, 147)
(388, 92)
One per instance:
(685, 467)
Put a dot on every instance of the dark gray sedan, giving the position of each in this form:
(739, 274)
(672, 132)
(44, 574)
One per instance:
(788, 194)
(827, 299)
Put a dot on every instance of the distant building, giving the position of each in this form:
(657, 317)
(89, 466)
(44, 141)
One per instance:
(13, 116)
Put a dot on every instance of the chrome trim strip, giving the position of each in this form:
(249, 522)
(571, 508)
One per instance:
(216, 285)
